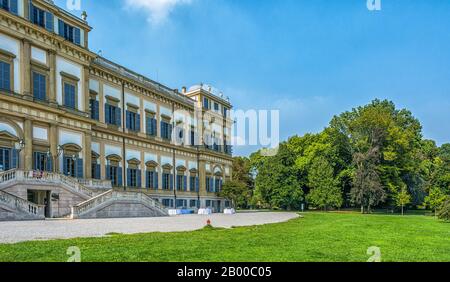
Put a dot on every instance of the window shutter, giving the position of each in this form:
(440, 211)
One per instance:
(185, 183)
(127, 118)
(107, 114)
(13, 7)
(128, 177)
(147, 179)
(118, 116)
(77, 36)
(138, 122)
(108, 172)
(79, 165)
(65, 171)
(171, 181)
(49, 25)
(60, 27)
(155, 181)
(197, 184)
(170, 129)
(119, 176)
(148, 126)
(139, 178)
(14, 158)
(97, 172)
(211, 184)
(155, 128)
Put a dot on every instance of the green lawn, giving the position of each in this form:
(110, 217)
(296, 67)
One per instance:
(316, 237)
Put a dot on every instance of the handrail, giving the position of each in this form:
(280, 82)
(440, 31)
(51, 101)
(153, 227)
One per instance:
(88, 205)
(46, 177)
(15, 202)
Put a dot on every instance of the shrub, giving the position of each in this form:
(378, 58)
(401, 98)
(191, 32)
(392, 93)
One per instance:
(444, 210)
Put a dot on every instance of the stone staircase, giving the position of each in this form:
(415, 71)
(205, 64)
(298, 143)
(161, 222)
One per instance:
(84, 188)
(118, 204)
(16, 208)
(101, 201)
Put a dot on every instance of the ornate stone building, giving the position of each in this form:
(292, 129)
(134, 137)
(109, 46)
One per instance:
(83, 136)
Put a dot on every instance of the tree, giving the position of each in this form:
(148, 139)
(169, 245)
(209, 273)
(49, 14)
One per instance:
(402, 197)
(435, 199)
(325, 191)
(235, 191)
(444, 210)
(242, 172)
(277, 182)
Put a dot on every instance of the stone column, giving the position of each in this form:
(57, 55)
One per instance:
(28, 150)
(102, 162)
(26, 67)
(52, 78)
(86, 94)
(87, 155)
(53, 138)
(202, 178)
(143, 170)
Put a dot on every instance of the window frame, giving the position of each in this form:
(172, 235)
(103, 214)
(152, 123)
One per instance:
(72, 80)
(8, 58)
(43, 70)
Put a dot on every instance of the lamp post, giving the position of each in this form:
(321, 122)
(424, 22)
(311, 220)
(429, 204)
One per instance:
(59, 151)
(47, 158)
(19, 146)
(74, 159)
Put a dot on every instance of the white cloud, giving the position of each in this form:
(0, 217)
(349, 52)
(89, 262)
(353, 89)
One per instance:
(158, 10)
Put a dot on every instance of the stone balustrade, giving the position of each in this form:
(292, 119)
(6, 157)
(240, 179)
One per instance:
(17, 203)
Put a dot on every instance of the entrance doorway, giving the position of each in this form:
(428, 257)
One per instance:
(5, 159)
(41, 197)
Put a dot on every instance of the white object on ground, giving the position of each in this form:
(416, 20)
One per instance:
(229, 211)
(205, 211)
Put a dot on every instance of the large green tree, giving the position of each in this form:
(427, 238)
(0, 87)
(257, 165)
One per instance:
(325, 192)
(276, 184)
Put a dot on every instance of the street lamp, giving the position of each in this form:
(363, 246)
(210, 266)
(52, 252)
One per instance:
(59, 152)
(74, 159)
(19, 146)
(48, 157)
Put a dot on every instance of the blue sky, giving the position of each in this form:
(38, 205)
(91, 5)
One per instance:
(310, 59)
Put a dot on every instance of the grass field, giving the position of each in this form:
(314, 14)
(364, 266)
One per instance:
(316, 237)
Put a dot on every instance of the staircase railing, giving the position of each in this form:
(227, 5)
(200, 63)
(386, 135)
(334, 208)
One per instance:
(20, 204)
(96, 184)
(7, 176)
(90, 204)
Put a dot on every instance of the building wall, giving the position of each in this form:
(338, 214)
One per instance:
(47, 125)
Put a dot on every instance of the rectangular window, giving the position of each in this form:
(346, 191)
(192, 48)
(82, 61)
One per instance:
(5, 76)
(225, 112)
(112, 115)
(151, 126)
(70, 95)
(114, 173)
(180, 182)
(208, 203)
(192, 181)
(95, 170)
(193, 203)
(42, 161)
(70, 33)
(5, 159)
(133, 121)
(133, 178)
(152, 180)
(95, 111)
(166, 181)
(10, 6)
(216, 107)
(167, 203)
(39, 86)
(181, 203)
(206, 103)
(166, 130)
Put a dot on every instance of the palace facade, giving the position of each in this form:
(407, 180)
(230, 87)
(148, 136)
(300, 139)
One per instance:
(83, 136)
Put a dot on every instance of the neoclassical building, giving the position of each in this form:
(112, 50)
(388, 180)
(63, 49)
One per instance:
(83, 136)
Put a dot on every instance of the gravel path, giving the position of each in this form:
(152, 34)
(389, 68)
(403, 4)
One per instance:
(19, 231)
